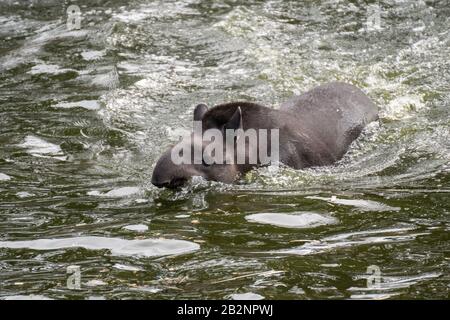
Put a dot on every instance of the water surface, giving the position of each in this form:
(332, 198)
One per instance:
(84, 115)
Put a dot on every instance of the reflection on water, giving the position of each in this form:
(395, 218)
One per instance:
(86, 113)
(144, 248)
(353, 239)
(292, 220)
(364, 205)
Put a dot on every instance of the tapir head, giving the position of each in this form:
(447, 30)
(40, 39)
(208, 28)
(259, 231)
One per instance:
(170, 173)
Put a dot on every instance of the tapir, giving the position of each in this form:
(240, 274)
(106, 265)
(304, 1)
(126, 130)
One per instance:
(315, 129)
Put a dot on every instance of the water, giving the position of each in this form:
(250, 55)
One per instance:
(86, 113)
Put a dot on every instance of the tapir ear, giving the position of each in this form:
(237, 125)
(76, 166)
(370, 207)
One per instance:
(200, 111)
(235, 121)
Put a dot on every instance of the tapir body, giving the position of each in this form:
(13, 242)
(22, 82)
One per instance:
(315, 129)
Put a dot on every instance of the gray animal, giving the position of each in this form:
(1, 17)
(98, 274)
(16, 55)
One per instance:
(315, 129)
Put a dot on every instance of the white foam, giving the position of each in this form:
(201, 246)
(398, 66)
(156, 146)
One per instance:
(364, 205)
(86, 104)
(40, 148)
(126, 267)
(136, 227)
(24, 194)
(92, 55)
(156, 9)
(403, 107)
(293, 220)
(116, 193)
(374, 296)
(117, 246)
(131, 16)
(95, 283)
(4, 177)
(147, 289)
(110, 79)
(95, 298)
(177, 134)
(94, 193)
(246, 296)
(48, 68)
(296, 290)
(141, 200)
(182, 216)
(24, 297)
(122, 192)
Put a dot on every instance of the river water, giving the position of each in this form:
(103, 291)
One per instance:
(86, 112)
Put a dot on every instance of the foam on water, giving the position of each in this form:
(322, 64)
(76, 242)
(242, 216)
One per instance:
(48, 68)
(86, 104)
(154, 10)
(136, 227)
(119, 247)
(364, 205)
(292, 220)
(26, 297)
(91, 55)
(24, 194)
(127, 267)
(246, 296)
(33, 45)
(116, 193)
(38, 147)
(4, 177)
(403, 107)
(95, 283)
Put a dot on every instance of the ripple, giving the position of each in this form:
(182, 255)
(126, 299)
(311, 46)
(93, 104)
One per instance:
(292, 220)
(354, 239)
(389, 286)
(364, 205)
(118, 247)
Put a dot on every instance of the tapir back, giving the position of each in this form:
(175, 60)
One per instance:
(334, 113)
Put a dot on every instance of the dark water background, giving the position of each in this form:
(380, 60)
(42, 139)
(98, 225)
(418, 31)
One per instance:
(86, 113)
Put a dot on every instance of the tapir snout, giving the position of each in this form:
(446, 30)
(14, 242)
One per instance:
(166, 174)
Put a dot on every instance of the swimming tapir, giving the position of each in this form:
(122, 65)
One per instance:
(315, 129)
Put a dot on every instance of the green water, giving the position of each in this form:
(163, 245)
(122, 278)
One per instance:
(86, 113)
